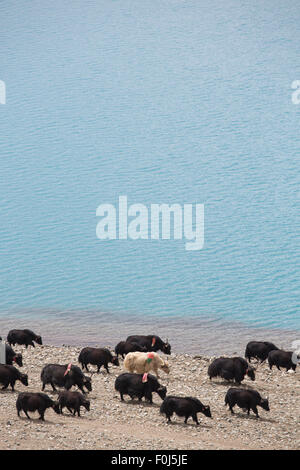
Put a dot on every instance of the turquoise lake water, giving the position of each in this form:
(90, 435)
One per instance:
(165, 101)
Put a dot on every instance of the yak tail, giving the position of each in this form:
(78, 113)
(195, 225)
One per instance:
(168, 405)
(127, 361)
(80, 358)
(162, 407)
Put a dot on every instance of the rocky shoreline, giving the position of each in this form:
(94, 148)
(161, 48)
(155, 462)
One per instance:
(130, 425)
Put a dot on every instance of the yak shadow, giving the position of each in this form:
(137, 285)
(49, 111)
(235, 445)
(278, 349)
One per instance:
(225, 382)
(51, 392)
(253, 417)
(8, 390)
(135, 402)
(101, 372)
(233, 384)
(247, 387)
(67, 414)
(257, 362)
(57, 392)
(189, 423)
(35, 420)
(222, 382)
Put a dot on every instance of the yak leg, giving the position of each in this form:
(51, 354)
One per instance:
(194, 416)
(53, 387)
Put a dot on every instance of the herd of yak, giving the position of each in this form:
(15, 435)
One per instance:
(140, 357)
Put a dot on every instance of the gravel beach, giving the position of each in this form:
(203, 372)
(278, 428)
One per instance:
(112, 424)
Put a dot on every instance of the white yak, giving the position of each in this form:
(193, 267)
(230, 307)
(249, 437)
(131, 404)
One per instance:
(144, 362)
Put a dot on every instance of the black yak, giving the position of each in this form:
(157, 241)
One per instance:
(231, 368)
(9, 375)
(246, 399)
(98, 357)
(26, 337)
(27, 401)
(65, 376)
(125, 347)
(184, 406)
(282, 358)
(72, 401)
(259, 350)
(12, 356)
(139, 386)
(151, 343)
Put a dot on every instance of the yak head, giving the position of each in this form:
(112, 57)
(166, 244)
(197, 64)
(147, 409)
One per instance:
(250, 372)
(165, 367)
(38, 340)
(264, 403)
(86, 404)
(166, 349)
(24, 379)
(87, 382)
(115, 361)
(162, 392)
(18, 359)
(56, 407)
(206, 411)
